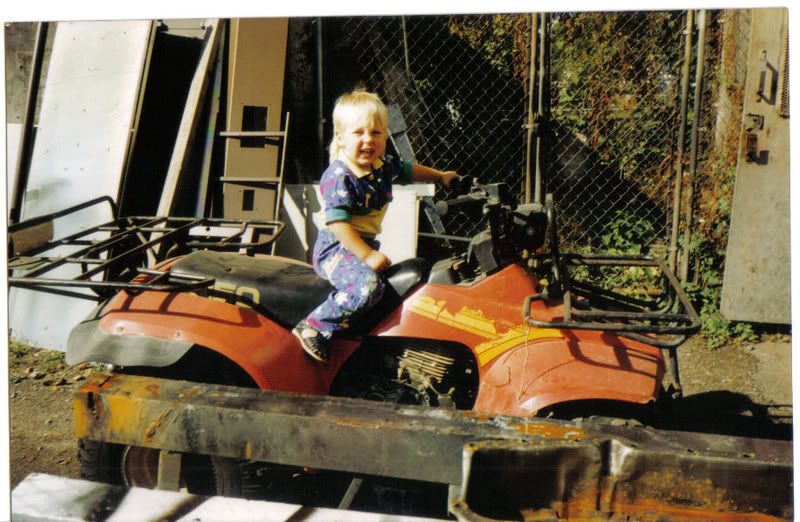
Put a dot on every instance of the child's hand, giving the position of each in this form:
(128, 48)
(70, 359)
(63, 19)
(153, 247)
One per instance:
(449, 176)
(377, 261)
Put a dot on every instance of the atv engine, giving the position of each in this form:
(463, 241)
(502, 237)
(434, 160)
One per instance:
(425, 372)
(407, 371)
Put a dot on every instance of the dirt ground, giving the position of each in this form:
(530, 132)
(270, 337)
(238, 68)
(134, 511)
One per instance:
(740, 390)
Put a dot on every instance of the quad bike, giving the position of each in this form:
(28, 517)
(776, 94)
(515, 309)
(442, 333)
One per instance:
(501, 328)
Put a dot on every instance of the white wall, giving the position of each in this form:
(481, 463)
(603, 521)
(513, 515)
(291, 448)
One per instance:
(302, 211)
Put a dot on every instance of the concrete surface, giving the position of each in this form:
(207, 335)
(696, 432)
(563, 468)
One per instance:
(41, 497)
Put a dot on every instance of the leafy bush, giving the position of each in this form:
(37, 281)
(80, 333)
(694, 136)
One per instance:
(718, 331)
(627, 233)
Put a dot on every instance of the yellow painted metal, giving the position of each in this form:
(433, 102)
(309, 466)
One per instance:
(476, 322)
(472, 321)
(514, 337)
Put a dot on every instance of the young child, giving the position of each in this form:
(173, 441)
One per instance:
(356, 190)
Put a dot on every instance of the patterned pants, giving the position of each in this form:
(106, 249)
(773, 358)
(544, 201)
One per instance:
(358, 287)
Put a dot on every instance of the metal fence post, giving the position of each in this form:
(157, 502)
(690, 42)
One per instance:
(531, 121)
(676, 200)
(545, 19)
(701, 22)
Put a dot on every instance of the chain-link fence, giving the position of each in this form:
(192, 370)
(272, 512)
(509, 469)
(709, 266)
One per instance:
(460, 83)
(615, 99)
(615, 84)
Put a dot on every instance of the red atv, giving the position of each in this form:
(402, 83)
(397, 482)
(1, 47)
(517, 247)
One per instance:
(501, 328)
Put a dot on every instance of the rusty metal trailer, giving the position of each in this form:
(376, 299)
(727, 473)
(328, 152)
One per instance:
(497, 468)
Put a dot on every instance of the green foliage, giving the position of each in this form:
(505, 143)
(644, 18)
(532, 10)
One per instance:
(706, 291)
(501, 39)
(52, 360)
(627, 233)
(718, 331)
(17, 349)
(23, 354)
(615, 82)
(608, 68)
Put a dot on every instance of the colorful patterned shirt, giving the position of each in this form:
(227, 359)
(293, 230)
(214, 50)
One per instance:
(361, 200)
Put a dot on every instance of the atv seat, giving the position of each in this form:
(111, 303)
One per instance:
(283, 289)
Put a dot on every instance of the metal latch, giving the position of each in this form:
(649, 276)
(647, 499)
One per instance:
(753, 122)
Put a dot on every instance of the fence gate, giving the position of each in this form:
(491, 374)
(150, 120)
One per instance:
(615, 82)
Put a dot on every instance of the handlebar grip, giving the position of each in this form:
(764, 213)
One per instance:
(461, 184)
(443, 207)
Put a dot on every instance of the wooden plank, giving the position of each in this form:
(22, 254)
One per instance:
(191, 116)
(203, 199)
(256, 77)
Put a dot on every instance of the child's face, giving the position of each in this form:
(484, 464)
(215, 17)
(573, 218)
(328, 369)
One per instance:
(362, 141)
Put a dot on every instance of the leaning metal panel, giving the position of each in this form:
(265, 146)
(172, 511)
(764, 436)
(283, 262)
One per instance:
(757, 279)
(84, 126)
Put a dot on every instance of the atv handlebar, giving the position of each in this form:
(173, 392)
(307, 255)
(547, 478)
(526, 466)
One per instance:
(444, 207)
(471, 193)
(462, 184)
(463, 187)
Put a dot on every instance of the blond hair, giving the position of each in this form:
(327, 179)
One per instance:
(355, 107)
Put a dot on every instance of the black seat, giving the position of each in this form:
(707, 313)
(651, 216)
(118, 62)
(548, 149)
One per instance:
(283, 289)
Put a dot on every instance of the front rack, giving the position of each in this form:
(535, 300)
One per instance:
(590, 307)
(116, 255)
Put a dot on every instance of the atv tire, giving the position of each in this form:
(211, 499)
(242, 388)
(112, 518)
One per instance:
(201, 475)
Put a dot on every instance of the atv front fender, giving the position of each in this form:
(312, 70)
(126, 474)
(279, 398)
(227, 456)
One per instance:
(89, 342)
(595, 366)
(158, 328)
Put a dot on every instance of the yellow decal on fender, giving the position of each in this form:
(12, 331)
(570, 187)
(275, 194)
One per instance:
(515, 336)
(474, 322)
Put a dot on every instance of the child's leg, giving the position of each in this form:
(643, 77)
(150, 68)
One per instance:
(358, 288)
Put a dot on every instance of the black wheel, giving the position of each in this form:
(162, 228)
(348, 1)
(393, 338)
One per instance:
(202, 475)
(99, 462)
(134, 466)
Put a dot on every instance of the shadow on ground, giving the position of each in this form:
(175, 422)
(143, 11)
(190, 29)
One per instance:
(730, 413)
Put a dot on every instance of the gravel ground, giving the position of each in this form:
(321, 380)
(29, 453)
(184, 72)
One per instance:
(733, 390)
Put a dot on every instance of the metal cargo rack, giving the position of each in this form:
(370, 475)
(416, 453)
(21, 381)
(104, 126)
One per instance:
(664, 322)
(591, 307)
(116, 255)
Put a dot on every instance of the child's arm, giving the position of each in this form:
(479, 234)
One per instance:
(352, 241)
(421, 173)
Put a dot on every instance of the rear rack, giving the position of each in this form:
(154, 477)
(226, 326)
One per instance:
(115, 255)
(590, 307)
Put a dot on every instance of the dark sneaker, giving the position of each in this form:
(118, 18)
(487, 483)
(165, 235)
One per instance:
(312, 342)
